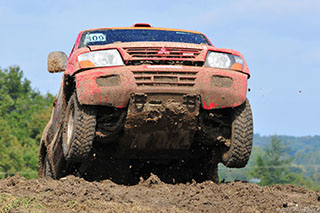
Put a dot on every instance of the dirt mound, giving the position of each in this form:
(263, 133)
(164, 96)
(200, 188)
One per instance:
(152, 195)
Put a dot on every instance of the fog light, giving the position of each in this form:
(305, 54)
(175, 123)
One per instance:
(107, 81)
(221, 81)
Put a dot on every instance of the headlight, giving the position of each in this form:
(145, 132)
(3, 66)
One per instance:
(103, 58)
(224, 60)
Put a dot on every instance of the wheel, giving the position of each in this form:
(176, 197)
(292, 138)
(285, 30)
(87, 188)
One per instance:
(212, 173)
(204, 171)
(47, 169)
(208, 168)
(237, 155)
(79, 131)
(212, 166)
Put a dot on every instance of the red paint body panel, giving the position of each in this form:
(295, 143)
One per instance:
(212, 97)
(90, 93)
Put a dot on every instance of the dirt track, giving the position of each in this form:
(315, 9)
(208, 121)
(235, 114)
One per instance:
(75, 194)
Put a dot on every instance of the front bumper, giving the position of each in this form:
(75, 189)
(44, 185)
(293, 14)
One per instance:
(217, 88)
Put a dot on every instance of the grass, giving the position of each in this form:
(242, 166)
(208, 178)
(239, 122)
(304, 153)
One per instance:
(9, 203)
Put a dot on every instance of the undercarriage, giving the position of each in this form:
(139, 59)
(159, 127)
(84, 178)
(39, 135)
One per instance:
(156, 126)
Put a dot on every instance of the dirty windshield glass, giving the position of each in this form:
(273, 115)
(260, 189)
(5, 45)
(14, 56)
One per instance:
(101, 37)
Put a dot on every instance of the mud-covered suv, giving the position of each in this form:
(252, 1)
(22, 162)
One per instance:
(141, 99)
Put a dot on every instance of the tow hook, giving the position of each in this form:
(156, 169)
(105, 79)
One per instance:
(191, 102)
(139, 100)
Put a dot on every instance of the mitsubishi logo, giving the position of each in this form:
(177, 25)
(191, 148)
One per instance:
(164, 51)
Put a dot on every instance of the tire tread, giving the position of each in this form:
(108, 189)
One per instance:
(84, 132)
(241, 138)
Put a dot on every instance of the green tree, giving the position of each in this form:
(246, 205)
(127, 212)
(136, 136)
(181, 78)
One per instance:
(10, 151)
(274, 166)
(24, 113)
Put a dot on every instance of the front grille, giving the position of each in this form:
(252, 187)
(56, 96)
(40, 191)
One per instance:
(161, 52)
(164, 56)
(165, 62)
(165, 78)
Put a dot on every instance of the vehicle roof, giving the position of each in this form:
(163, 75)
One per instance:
(144, 28)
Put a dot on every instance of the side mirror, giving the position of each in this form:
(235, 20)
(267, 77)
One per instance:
(57, 62)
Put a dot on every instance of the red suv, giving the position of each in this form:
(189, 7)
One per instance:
(142, 97)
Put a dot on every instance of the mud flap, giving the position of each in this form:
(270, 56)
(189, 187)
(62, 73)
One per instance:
(160, 122)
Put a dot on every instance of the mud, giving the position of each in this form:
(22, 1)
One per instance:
(160, 122)
(72, 194)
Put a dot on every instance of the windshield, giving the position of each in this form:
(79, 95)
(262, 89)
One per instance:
(108, 36)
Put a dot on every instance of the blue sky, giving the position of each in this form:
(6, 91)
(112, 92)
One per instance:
(280, 40)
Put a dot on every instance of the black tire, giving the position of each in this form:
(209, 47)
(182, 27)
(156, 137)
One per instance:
(212, 169)
(47, 169)
(206, 167)
(78, 131)
(237, 155)
(206, 171)
(212, 173)
(209, 168)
